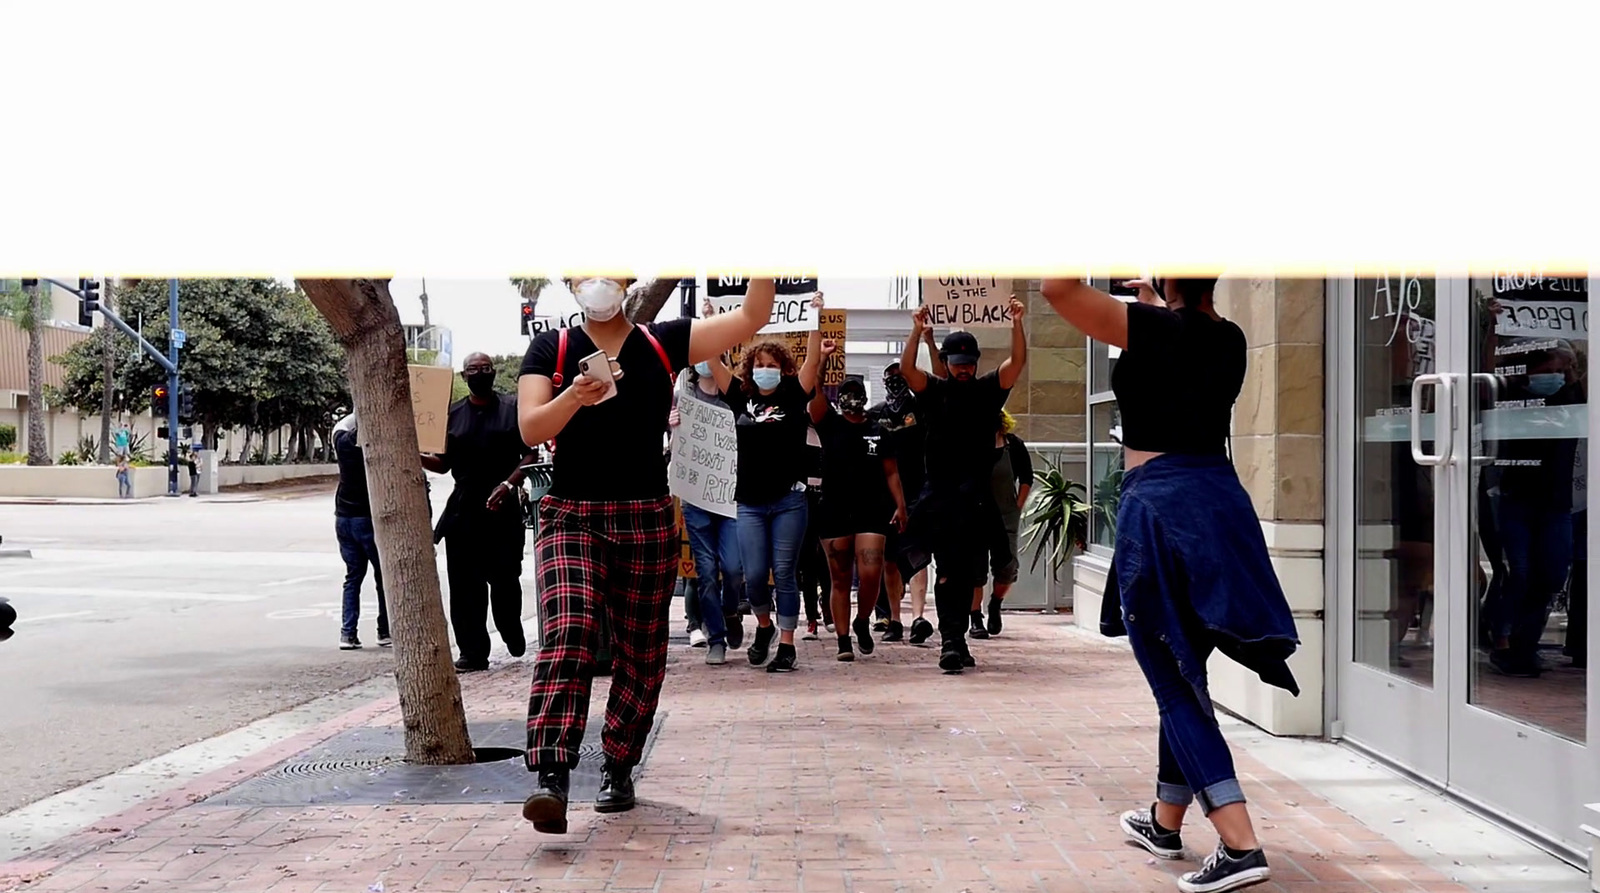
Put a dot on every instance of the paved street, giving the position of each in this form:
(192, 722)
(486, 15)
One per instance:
(150, 625)
(882, 775)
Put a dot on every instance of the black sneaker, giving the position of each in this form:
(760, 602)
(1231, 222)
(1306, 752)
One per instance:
(735, 630)
(783, 661)
(385, 641)
(895, 633)
(349, 643)
(466, 666)
(762, 645)
(978, 630)
(1510, 663)
(546, 807)
(950, 660)
(516, 643)
(1141, 828)
(744, 609)
(616, 789)
(1222, 872)
(921, 631)
(863, 635)
(994, 617)
(811, 631)
(846, 653)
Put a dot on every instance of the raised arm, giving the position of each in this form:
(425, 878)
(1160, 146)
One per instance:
(813, 361)
(711, 337)
(916, 379)
(721, 374)
(819, 348)
(935, 361)
(1011, 368)
(1093, 312)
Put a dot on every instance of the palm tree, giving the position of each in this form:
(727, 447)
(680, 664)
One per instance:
(26, 309)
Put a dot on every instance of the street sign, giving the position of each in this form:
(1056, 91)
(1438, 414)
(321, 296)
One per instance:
(179, 336)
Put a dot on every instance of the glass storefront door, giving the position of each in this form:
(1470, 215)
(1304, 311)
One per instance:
(1461, 517)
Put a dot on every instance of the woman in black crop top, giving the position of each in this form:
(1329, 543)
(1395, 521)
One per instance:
(1191, 573)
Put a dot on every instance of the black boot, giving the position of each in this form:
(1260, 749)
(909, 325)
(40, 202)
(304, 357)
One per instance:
(616, 789)
(546, 807)
(978, 630)
(895, 633)
(951, 656)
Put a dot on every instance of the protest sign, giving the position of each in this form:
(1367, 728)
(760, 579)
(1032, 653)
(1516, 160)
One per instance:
(832, 324)
(705, 455)
(791, 307)
(430, 404)
(967, 301)
(1543, 319)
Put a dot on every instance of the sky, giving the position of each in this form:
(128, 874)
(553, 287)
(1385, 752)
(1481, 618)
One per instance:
(484, 314)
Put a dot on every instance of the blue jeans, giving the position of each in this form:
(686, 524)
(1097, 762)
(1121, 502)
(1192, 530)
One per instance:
(1537, 539)
(770, 537)
(359, 547)
(714, 542)
(124, 485)
(1193, 760)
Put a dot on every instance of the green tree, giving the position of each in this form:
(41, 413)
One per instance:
(26, 309)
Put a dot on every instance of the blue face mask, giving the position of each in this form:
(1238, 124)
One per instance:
(1546, 383)
(703, 369)
(766, 378)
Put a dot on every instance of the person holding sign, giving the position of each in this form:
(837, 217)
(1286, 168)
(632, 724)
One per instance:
(861, 504)
(769, 400)
(957, 498)
(713, 541)
(1191, 575)
(607, 538)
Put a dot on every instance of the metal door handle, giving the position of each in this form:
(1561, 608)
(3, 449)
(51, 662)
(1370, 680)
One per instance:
(1443, 423)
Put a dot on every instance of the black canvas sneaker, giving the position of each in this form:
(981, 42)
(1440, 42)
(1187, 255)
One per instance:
(1224, 871)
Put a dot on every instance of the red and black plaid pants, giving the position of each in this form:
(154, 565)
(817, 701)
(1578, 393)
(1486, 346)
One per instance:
(617, 557)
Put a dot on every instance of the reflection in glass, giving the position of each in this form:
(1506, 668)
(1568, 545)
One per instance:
(1105, 470)
(1396, 341)
(1530, 423)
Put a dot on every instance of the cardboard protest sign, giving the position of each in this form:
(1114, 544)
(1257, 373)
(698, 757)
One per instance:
(430, 404)
(705, 455)
(967, 301)
(833, 324)
(791, 308)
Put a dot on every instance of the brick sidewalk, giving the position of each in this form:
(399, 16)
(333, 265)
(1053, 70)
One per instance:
(878, 775)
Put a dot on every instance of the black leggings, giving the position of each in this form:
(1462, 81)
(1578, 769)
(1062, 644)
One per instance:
(815, 583)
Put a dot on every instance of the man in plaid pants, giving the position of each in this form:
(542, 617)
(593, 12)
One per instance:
(608, 539)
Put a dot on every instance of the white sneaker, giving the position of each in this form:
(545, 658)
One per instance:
(697, 639)
(831, 629)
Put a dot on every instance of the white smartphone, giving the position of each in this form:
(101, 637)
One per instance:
(598, 367)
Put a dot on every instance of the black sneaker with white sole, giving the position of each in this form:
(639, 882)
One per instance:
(349, 643)
(1141, 828)
(1224, 871)
(921, 631)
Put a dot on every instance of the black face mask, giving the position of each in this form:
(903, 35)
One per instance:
(852, 404)
(481, 384)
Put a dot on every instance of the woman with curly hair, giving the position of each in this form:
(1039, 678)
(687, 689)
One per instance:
(769, 400)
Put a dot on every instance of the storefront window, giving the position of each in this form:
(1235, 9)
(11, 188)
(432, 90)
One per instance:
(1105, 470)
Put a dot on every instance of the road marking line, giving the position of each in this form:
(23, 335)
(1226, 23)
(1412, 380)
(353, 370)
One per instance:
(130, 593)
(293, 580)
(53, 616)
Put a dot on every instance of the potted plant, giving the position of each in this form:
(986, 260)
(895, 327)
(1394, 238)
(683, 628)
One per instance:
(1057, 518)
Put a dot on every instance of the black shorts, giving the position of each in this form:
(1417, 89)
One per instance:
(1005, 565)
(845, 517)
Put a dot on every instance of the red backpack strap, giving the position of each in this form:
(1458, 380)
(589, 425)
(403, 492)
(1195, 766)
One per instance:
(666, 362)
(559, 376)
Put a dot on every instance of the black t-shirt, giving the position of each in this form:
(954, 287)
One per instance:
(772, 440)
(852, 461)
(615, 451)
(483, 446)
(1178, 380)
(961, 418)
(908, 442)
(350, 500)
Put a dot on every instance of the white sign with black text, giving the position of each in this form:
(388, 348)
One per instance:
(705, 455)
(967, 301)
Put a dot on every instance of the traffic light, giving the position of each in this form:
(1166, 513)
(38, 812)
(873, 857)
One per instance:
(158, 401)
(527, 316)
(88, 301)
(186, 404)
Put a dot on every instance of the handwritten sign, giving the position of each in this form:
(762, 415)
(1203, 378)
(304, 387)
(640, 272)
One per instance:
(791, 306)
(1543, 319)
(430, 404)
(705, 455)
(967, 301)
(833, 324)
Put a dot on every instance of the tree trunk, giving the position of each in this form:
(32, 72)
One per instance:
(645, 302)
(364, 319)
(38, 440)
(107, 378)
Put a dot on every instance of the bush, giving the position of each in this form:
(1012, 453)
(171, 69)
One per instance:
(12, 459)
(70, 457)
(89, 448)
(8, 438)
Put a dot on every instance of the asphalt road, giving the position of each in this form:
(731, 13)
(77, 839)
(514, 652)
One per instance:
(150, 625)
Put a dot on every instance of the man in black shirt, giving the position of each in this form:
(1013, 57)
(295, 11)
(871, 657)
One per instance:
(957, 498)
(900, 420)
(352, 524)
(481, 525)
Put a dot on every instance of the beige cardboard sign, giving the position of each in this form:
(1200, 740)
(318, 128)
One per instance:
(430, 403)
(966, 302)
